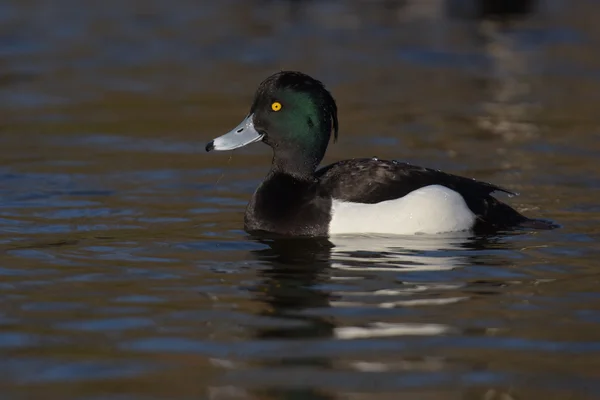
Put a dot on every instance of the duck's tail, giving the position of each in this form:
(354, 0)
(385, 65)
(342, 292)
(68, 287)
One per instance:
(539, 224)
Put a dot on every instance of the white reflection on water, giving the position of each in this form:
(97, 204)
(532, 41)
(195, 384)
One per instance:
(402, 254)
(381, 329)
(395, 253)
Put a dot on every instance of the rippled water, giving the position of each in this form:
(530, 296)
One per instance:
(125, 272)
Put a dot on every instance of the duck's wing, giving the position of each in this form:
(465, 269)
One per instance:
(370, 180)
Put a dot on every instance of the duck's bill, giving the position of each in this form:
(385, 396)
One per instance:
(240, 136)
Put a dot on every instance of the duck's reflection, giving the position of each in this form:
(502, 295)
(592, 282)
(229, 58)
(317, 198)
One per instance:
(328, 290)
(291, 284)
(418, 253)
(305, 277)
(296, 269)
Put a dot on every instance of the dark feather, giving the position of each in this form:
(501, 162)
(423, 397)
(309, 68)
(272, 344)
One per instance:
(370, 180)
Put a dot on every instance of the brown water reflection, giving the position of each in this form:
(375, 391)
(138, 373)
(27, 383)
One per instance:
(124, 269)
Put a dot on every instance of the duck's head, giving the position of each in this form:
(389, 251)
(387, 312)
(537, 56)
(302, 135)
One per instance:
(294, 114)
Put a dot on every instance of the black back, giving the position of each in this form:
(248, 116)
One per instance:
(370, 180)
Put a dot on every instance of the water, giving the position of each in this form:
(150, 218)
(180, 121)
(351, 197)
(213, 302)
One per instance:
(125, 272)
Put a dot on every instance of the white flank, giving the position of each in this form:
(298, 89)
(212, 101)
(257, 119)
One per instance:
(431, 209)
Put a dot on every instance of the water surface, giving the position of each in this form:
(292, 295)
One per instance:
(125, 272)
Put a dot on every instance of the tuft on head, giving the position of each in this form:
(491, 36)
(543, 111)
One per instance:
(301, 82)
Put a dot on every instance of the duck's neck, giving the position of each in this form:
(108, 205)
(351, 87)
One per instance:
(301, 165)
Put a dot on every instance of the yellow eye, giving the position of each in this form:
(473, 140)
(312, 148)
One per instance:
(276, 106)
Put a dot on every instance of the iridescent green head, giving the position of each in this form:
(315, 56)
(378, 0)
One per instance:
(295, 115)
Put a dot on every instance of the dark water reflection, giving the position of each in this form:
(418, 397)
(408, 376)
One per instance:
(124, 270)
(331, 302)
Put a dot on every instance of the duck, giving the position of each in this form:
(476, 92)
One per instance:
(296, 115)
